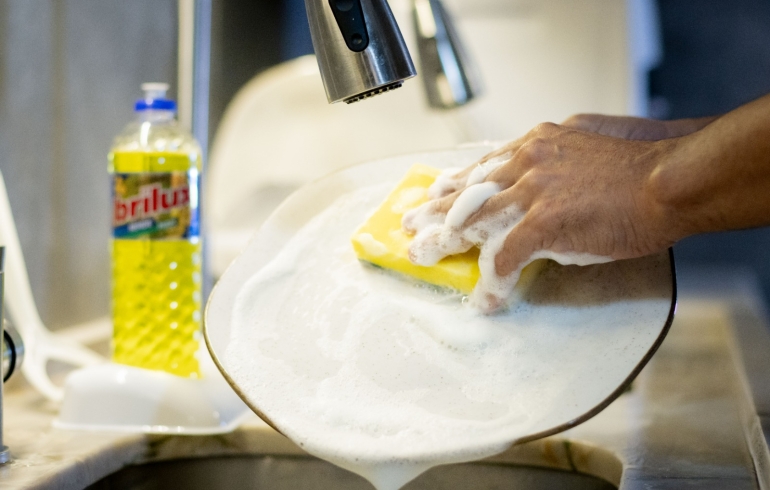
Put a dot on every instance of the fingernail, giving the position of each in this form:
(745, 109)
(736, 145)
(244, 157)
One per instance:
(424, 250)
(407, 222)
(487, 304)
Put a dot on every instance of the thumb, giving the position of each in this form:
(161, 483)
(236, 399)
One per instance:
(501, 262)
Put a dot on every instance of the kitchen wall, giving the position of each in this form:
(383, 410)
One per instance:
(70, 71)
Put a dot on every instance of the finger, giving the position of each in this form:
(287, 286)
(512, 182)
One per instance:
(530, 155)
(452, 180)
(501, 261)
(448, 181)
(500, 211)
(626, 127)
(507, 165)
(585, 122)
(507, 148)
(482, 170)
(468, 202)
(437, 238)
(470, 220)
(518, 248)
(436, 242)
(427, 214)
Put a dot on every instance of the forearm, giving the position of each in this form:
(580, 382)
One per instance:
(718, 178)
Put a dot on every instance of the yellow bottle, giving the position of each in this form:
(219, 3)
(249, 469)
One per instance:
(156, 246)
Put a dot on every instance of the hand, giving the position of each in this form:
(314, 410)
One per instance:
(572, 196)
(636, 128)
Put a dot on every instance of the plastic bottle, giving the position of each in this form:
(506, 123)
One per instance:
(156, 245)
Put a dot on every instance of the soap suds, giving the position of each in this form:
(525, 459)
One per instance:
(469, 201)
(388, 377)
(453, 179)
(482, 170)
(371, 245)
(406, 199)
(447, 181)
(438, 235)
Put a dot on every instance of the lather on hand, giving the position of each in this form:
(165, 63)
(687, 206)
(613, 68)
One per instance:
(594, 189)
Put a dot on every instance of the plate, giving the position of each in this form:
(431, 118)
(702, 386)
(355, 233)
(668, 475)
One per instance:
(580, 367)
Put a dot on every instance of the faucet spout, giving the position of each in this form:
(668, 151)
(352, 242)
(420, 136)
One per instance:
(449, 77)
(359, 47)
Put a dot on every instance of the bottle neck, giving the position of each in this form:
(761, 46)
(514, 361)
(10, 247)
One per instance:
(155, 116)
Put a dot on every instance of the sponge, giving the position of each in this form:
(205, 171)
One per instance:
(381, 241)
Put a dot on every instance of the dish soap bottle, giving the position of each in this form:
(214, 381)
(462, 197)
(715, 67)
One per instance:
(155, 169)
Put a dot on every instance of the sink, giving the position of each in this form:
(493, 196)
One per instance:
(306, 473)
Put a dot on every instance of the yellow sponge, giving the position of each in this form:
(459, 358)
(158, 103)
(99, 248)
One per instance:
(381, 241)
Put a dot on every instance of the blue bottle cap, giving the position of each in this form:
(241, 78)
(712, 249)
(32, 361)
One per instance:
(155, 98)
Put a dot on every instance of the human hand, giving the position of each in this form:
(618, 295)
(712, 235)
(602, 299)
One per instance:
(572, 196)
(635, 128)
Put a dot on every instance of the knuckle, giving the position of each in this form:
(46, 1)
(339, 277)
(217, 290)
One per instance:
(545, 128)
(534, 150)
(538, 180)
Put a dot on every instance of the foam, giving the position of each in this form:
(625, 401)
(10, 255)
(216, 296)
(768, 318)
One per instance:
(371, 245)
(439, 235)
(446, 182)
(469, 201)
(387, 377)
(481, 171)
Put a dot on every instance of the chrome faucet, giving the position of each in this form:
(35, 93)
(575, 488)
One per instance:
(359, 48)
(361, 52)
(448, 74)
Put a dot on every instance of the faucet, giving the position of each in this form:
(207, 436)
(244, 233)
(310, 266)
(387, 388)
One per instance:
(449, 77)
(361, 52)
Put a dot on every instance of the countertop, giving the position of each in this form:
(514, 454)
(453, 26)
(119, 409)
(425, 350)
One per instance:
(693, 418)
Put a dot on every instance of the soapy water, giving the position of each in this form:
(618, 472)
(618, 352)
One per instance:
(387, 377)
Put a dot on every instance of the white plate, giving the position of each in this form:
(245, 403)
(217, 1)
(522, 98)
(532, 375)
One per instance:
(587, 369)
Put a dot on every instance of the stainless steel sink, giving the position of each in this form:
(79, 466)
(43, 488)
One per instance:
(306, 473)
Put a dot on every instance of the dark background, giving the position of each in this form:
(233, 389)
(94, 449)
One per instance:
(716, 57)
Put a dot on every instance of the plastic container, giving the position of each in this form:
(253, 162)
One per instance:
(155, 169)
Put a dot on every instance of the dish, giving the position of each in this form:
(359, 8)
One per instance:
(574, 368)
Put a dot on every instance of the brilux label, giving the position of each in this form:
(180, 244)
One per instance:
(155, 205)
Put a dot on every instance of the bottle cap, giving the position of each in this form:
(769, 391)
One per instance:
(155, 98)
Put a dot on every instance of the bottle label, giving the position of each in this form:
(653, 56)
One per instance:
(155, 205)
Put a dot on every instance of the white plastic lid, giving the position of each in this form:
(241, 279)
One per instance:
(154, 90)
